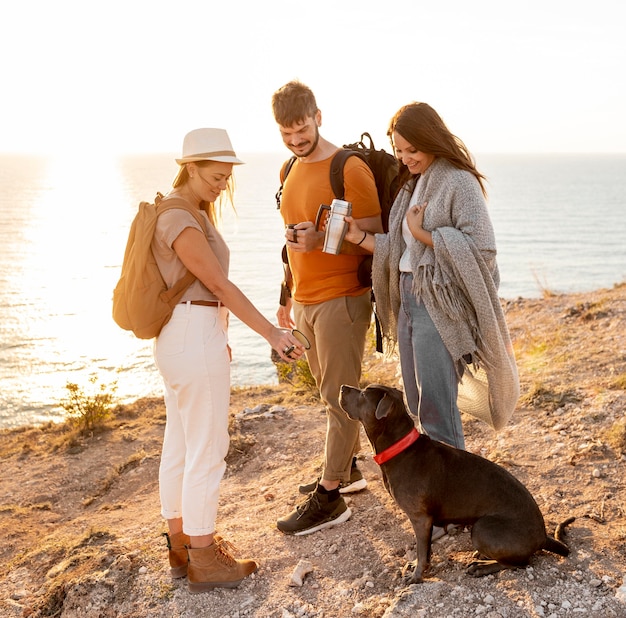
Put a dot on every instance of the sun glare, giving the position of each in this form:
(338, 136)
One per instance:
(75, 244)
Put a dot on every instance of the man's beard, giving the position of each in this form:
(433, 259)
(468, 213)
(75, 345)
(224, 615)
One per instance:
(313, 145)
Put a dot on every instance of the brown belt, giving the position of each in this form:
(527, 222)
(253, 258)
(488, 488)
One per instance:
(203, 303)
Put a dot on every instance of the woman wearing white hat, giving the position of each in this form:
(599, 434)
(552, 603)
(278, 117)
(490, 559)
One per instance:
(193, 357)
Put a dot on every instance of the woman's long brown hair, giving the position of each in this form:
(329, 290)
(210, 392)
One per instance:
(421, 126)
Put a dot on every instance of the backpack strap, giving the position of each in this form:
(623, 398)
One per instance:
(162, 204)
(336, 182)
(288, 167)
(279, 193)
(336, 173)
(336, 170)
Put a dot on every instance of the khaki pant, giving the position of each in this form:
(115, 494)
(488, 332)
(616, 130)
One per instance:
(336, 330)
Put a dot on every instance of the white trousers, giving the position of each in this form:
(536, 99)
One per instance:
(192, 357)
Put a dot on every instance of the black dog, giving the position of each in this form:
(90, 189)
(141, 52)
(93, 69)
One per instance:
(436, 484)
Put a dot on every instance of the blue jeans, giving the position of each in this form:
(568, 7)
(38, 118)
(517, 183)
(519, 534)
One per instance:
(428, 371)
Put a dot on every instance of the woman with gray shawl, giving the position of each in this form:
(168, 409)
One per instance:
(435, 280)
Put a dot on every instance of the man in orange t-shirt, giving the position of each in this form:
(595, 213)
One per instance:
(329, 305)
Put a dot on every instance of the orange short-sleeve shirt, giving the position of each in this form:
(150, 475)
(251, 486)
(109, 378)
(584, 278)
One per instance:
(319, 276)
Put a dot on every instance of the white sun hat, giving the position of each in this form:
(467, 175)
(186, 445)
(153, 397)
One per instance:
(208, 145)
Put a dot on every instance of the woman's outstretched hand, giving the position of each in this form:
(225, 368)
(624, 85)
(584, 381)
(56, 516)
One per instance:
(286, 344)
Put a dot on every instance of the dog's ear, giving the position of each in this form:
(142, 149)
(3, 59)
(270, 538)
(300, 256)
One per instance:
(384, 406)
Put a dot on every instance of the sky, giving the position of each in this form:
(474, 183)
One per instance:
(133, 76)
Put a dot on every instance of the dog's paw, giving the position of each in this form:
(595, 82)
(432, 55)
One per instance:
(480, 568)
(411, 573)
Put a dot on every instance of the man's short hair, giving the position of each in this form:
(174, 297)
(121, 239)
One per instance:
(293, 103)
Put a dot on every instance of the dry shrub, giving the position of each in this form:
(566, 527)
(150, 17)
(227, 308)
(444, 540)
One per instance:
(541, 396)
(615, 436)
(88, 407)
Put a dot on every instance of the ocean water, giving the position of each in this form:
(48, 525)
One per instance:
(559, 221)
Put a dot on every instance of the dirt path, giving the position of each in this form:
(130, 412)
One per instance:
(82, 525)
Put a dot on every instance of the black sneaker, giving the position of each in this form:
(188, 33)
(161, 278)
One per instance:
(356, 483)
(315, 513)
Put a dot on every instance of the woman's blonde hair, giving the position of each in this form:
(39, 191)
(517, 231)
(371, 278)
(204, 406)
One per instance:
(214, 210)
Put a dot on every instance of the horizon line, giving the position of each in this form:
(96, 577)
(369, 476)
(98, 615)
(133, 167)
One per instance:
(285, 152)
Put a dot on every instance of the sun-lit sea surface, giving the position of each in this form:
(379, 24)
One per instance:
(559, 221)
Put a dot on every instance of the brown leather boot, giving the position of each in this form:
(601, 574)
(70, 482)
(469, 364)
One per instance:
(214, 567)
(178, 555)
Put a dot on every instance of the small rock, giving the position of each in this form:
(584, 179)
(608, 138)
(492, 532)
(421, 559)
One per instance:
(18, 595)
(302, 568)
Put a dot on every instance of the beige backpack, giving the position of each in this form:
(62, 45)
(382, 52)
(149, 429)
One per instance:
(142, 302)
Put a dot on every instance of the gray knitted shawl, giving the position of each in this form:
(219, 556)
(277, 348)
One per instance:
(457, 280)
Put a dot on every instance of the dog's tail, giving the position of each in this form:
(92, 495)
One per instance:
(556, 545)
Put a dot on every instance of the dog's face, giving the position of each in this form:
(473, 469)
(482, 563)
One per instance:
(375, 406)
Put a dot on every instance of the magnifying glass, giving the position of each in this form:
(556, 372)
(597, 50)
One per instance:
(301, 338)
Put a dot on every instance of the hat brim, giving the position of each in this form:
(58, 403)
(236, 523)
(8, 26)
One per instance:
(218, 158)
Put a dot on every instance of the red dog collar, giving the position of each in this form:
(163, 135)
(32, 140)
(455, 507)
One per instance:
(398, 447)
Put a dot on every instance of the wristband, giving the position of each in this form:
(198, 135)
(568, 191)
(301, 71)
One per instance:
(362, 239)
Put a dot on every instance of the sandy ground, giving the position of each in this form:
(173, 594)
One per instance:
(82, 529)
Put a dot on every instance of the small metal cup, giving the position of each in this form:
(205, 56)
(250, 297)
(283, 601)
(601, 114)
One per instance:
(292, 227)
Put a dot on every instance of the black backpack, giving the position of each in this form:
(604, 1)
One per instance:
(384, 167)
